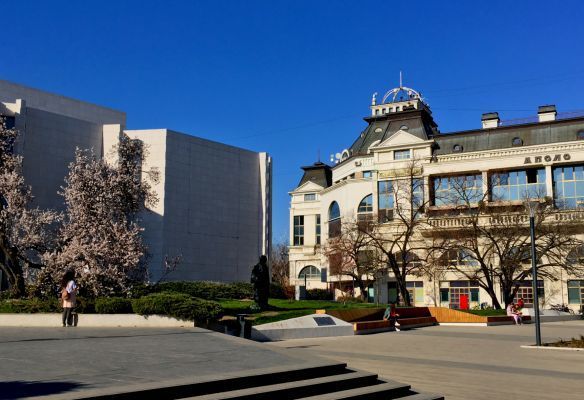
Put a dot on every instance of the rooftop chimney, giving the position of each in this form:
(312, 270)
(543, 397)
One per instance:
(546, 113)
(490, 120)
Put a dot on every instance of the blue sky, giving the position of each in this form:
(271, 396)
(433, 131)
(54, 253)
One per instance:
(295, 77)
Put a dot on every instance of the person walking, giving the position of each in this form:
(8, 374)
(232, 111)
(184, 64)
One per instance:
(69, 298)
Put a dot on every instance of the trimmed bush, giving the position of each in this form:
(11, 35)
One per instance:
(209, 290)
(113, 305)
(178, 305)
(349, 299)
(318, 294)
(277, 291)
(30, 306)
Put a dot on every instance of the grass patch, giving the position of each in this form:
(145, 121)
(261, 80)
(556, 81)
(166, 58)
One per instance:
(286, 309)
(574, 343)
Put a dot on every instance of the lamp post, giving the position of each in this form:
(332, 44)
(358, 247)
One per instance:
(532, 207)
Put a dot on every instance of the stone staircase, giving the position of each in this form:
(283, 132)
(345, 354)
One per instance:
(309, 381)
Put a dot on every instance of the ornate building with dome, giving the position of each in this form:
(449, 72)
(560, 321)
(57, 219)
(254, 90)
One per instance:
(453, 179)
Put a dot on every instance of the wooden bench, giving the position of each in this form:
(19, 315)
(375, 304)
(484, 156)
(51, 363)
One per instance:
(366, 327)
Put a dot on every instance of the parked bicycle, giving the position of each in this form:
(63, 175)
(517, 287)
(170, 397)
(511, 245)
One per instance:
(562, 308)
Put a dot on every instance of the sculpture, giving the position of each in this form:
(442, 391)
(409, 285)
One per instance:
(260, 279)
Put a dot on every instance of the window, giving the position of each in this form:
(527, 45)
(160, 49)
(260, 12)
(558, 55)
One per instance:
(310, 197)
(416, 290)
(458, 190)
(367, 174)
(458, 258)
(309, 272)
(417, 193)
(366, 205)
(525, 292)
(518, 185)
(378, 130)
(457, 148)
(404, 128)
(318, 229)
(569, 186)
(576, 292)
(298, 230)
(580, 135)
(459, 294)
(385, 200)
(401, 154)
(334, 220)
(517, 141)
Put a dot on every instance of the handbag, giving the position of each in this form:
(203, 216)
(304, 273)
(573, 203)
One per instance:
(65, 295)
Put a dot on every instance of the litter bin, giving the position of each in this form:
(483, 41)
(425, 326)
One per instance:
(244, 326)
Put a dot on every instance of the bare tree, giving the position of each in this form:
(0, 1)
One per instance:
(101, 237)
(25, 233)
(350, 253)
(490, 241)
(280, 267)
(395, 234)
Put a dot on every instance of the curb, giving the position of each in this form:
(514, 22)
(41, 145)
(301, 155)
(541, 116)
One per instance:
(552, 348)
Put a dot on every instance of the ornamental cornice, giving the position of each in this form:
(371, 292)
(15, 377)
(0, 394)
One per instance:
(520, 151)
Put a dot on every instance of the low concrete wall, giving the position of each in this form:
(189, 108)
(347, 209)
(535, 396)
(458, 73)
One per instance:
(93, 320)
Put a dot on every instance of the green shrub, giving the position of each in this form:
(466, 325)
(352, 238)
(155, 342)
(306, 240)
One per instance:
(178, 305)
(29, 306)
(278, 291)
(208, 290)
(349, 299)
(113, 305)
(85, 305)
(140, 290)
(318, 294)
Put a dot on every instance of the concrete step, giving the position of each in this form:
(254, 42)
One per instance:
(424, 396)
(381, 391)
(297, 389)
(194, 386)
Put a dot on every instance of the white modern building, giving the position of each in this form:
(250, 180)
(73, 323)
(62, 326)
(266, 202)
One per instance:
(544, 153)
(214, 207)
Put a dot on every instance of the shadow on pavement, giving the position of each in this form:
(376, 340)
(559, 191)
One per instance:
(20, 389)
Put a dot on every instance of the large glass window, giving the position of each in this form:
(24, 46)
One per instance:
(417, 192)
(416, 290)
(458, 258)
(458, 190)
(525, 292)
(298, 230)
(518, 185)
(318, 229)
(309, 272)
(576, 292)
(385, 199)
(569, 186)
(334, 220)
(460, 294)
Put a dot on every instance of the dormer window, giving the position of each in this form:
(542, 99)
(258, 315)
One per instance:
(404, 128)
(457, 148)
(517, 141)
(580, 135)
(402, 154)
(378, 130)
(310, 197)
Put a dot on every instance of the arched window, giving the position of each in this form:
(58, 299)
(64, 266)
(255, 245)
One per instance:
(366, 205)
(334, 215)
(517, 141)
(309, 272)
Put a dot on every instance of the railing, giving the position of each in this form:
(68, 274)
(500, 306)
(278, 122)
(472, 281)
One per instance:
(535, 118)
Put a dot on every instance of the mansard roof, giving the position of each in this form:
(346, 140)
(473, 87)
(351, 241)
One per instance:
(419, 123)
(563, 130)
(319, 173)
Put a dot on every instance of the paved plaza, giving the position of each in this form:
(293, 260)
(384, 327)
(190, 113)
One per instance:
(460, 362)
(464, 362)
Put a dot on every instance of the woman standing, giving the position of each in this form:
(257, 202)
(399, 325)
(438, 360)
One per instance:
(69, 298)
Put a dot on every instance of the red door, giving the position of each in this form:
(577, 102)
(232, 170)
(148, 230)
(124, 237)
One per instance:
(464, 301)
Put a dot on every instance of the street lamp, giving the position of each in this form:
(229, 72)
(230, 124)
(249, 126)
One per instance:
(531, 206)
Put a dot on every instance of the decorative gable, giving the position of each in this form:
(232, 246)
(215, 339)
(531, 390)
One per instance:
(400, 138)
(308, 187)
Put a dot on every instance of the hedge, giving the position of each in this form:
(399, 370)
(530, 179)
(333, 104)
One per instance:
(208, 290)
(113, 305)
(178, 305)
(318, 294)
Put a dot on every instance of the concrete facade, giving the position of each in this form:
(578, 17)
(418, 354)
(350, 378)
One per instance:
(214, 200)
(406, 129)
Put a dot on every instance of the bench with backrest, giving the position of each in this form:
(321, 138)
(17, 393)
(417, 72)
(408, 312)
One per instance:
(409, 318)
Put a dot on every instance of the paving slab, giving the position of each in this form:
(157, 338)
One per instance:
(463, 362)
(44, 361)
